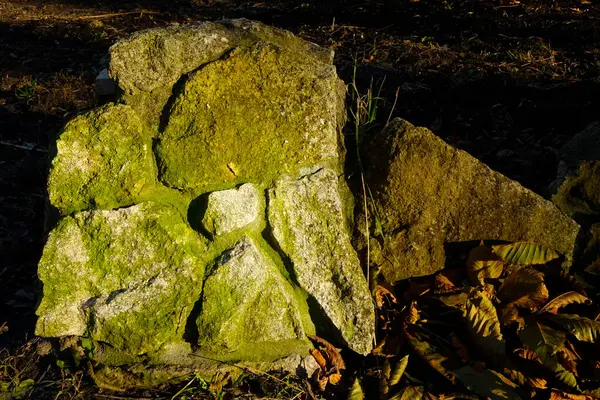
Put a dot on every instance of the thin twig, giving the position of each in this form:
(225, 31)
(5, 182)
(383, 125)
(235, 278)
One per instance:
(22, 147)
(102, 16)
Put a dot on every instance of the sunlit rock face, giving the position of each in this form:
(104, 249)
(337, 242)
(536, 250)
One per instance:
(428, 194)
(203, 213)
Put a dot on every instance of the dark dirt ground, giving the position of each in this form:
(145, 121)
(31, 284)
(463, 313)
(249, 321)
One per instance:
(508, 81)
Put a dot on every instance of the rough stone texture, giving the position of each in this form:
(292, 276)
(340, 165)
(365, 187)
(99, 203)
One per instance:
(262, 112)
(308, 222)
(249, 307)
(148, 64)
(128, 277)
(104, 160)
(158, 57)
(210, 117)
(228, 210)
(578, 182)
(427, 193)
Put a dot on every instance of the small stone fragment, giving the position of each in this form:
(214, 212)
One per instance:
(228, 210)
(307, 218)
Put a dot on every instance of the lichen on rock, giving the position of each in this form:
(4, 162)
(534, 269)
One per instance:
(308, 222)
(104, 160)
(249, 310)
(129, 277)
(262, 112)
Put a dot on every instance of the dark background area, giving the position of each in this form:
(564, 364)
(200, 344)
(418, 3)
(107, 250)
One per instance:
(510, 82)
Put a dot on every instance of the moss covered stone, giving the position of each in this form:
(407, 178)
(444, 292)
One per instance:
(104, 160)
(262, 112)
(212, 116)
(307, 219)
(249, 310)
(427, 194)
(128, 277)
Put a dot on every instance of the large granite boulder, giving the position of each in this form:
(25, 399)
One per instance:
(206, 216)
(428, 194)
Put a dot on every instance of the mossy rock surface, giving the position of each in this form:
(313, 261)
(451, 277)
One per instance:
(242, 319)
(104, 160)
(428, 194)
(205, 216)
(128, 277)
(262, 112)
(308, 223)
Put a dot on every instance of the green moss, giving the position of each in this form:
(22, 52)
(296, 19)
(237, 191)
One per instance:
(261, 113)
(249, 310)
(104, 161)
(117, 277)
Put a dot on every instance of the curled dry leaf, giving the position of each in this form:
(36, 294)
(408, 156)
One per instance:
(388, 346)
(412, 315)
(330, 353)
(524, 288)
(524, 253)
(558, 395)
(319, 359)
(443, 284)
(483, 264)
(382, 294)
(563, 300)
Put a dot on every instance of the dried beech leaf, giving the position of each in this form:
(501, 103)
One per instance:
(482, 264)
(484, 325)
(384, 378)
(584, 329)
(443, 284)
(356, 392)
(488, 384)
(524, 288)
(398, 371)
(558, 395)
(524, 253)
(542, 339)
(568, 360)
(332, 355)
(563, 300)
